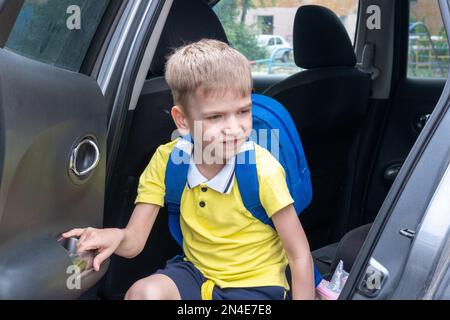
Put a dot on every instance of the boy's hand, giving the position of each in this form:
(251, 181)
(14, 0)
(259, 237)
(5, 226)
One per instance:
(104, 241)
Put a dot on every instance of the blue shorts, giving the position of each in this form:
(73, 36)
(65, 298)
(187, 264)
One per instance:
(189, 281)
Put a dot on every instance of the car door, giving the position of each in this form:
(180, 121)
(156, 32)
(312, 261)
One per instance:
(405, 255)
(53, 124)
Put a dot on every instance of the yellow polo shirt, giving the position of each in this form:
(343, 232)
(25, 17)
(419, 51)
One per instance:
(221, 238)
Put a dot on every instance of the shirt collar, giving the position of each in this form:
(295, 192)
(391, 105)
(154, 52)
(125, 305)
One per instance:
(222, 182)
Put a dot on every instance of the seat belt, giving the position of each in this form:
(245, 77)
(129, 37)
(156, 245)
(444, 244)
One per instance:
(367, 61)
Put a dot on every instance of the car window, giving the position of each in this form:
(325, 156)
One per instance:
(57, 32)
(246, 23)
(428, 52)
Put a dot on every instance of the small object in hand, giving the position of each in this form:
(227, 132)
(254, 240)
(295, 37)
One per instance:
(330, 290)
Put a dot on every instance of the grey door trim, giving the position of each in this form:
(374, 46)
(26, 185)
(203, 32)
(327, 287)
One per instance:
(419, 276)
(139, 55)
(383, 41)
(148, 54)
(116, 44)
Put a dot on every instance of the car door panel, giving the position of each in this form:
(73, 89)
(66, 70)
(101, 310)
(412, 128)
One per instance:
(35, 265)
(46, 112)
(405, 208)
(414, 100)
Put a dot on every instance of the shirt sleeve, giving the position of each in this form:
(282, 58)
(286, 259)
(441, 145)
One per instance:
(273, 190)
(151, 188)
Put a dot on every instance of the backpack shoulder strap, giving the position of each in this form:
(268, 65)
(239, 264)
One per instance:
(175, 182)
(247, 180)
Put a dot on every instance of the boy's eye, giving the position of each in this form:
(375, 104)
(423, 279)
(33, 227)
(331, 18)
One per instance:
(244, 111)
(213, 117)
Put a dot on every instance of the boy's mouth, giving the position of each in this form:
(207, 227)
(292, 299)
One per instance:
(231, 142)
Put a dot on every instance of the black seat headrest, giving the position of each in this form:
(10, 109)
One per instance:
(188, 21)
(321, 40)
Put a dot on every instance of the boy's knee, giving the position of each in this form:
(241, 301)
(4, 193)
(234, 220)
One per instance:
(153, 288)
(142, 290)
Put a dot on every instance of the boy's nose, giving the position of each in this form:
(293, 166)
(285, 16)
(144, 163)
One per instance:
(233, 128)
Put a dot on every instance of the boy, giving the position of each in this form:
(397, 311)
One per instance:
(228, 253)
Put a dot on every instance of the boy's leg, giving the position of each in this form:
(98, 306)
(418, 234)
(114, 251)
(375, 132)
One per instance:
(178, 280)
(154, 287)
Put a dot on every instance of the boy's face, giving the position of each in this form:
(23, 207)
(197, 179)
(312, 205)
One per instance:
(221, 122)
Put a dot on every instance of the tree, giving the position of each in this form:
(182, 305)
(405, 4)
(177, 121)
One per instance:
(248, 4)
(241, 36)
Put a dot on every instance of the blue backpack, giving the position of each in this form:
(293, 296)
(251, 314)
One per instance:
(268, 114)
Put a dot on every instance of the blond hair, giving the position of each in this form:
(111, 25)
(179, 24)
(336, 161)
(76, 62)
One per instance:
(208, 67)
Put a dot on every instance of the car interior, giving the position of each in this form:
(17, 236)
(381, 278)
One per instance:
(360, 80)
(355, 141)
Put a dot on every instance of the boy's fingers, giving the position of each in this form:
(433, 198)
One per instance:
(99, 258)
(89, 243)
(87, 247)
(83, 238)
(73, 233)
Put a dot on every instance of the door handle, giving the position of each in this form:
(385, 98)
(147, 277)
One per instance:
(84, 158)
(391, 173)
(84, 260)
(422, 121)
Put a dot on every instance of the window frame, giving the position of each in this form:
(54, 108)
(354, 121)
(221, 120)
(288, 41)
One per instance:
(97, 49)
(104, 30)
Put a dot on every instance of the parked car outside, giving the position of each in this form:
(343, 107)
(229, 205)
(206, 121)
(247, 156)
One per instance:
(275, 45)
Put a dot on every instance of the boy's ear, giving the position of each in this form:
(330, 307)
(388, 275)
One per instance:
(180, 120)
